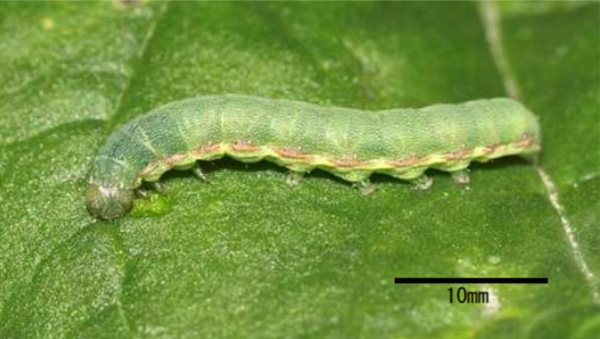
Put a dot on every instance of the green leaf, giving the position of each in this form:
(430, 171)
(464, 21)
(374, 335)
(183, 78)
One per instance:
(248, 256)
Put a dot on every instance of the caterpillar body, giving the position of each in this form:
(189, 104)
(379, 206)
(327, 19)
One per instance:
(348, 143)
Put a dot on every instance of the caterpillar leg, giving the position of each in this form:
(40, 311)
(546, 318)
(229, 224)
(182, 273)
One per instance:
(293, 178)
(365, 187)
(461, 177)
(141, 193)
(422, 182)
(199, 174)
(159, 188)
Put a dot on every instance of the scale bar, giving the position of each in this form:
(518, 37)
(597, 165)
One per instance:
(471, 280)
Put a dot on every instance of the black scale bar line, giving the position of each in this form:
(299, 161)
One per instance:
(471, 280)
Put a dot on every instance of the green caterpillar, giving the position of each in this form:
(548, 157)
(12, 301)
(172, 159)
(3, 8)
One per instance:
(348, 143)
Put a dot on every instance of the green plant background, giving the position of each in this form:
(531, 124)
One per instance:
(248, 256)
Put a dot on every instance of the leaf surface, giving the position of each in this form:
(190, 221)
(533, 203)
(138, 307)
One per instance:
(248, 255)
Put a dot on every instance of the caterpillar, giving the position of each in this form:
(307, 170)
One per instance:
(349, 143)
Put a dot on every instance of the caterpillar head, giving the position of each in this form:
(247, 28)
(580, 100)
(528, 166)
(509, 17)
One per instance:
(108, 203)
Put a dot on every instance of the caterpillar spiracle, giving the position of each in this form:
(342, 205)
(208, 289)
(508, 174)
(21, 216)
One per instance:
(349, 143)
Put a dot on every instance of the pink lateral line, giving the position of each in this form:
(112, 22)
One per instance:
(525, 141)
(424, 160)
(292, 153)
(174, 159)
(351, 161)
(244, 146)
(211, 148)
(491, 148)
(461, 153)
(405, 162)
